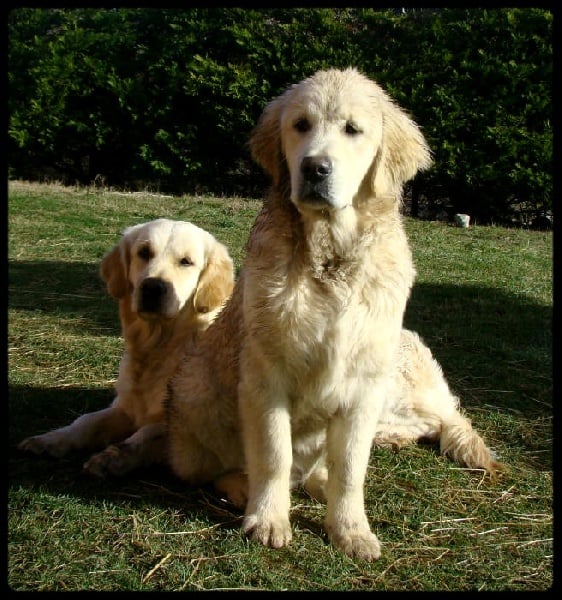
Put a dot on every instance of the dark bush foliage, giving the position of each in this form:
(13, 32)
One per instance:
(166, 98)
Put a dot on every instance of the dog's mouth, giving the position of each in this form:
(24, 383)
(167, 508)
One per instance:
(317, 200)
(310, 193)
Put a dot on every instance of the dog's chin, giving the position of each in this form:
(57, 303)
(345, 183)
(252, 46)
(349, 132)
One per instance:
(318, 202)
(153, 316)
(150, 316)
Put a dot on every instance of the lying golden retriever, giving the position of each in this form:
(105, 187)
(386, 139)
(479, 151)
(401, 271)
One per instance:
(171, 279)
(308, 362)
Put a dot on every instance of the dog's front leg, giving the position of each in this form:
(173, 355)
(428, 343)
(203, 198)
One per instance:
(266, 428)
(145, 447)
(348, 445)
(91, 430)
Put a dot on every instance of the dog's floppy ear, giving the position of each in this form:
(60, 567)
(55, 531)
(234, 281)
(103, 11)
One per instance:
(265, 139)
(216, 281)
(115, 266)
(113, 271)
(403, 151)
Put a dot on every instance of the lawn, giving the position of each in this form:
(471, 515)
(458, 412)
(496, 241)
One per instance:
(482, 302)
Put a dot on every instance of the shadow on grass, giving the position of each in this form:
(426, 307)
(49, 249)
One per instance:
(73, 289)
(495, 348)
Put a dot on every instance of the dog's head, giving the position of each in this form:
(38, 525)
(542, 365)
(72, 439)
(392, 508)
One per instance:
(337, 132)
(165, 265)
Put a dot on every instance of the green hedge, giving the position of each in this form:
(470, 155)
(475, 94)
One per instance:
(166, 98)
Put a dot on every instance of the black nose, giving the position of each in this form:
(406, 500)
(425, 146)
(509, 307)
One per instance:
(316, 168)
(152, 292)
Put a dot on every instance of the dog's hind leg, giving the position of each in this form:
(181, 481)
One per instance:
(461, 443)
(437, 418)
(315, 485)
(421, 406)
(234, 485)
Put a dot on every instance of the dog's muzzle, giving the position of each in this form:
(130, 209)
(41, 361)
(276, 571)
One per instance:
(315, 183)
(152, 293)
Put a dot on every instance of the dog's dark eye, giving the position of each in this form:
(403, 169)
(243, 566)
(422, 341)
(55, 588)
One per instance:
(302, 125)
(144, 253)
(186, 262)
(352, 128)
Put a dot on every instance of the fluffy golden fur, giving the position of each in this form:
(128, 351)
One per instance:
(171, 278)
(308, 361)
(421, 407)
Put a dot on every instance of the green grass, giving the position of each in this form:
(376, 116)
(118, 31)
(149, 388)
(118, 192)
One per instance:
(482, 301)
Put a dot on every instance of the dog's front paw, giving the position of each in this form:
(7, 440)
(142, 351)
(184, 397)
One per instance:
(362, 544)
(269, 532)
(48, 443)
(112, 461)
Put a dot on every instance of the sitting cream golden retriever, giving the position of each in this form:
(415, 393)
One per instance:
(171, 279)
(309, 351)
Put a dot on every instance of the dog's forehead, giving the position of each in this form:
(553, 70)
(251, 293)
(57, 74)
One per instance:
(173, 237)
(333, 98)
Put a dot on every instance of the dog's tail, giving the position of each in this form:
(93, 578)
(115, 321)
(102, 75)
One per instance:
(461, 443)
